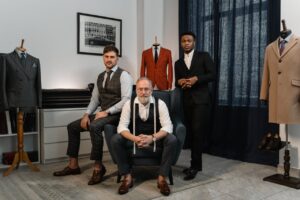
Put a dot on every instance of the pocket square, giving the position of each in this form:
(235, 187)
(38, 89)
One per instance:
(34, 65)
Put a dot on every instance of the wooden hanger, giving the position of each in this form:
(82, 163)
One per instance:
(156, 44)
(21, 48)
(285, 32)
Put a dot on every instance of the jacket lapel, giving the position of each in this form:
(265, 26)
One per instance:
(293, 41)
(275, 47)
(193, 65)
(150, 54)
(16, 60)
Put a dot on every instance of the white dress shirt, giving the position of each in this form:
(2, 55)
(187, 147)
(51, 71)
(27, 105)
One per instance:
(164, 117)
(126, 91)
(188, 58)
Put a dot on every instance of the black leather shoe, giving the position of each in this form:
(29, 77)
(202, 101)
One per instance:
(97, 176)
(275, 143)
(67, 171)
(265, 141)
(185, 170)
(191, 174)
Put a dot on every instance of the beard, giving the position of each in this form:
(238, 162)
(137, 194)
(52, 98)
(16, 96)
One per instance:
(144, 100)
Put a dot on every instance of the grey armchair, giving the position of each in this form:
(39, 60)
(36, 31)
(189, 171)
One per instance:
(173, 102)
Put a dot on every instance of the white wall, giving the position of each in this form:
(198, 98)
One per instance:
(50, 32)
(290, 12)
(160, 19)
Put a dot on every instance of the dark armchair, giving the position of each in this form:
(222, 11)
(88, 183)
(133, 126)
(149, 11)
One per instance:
(173, 102)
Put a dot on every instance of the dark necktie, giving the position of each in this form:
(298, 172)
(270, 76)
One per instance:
(281, 46)
(155, 55)
(107, 77)
(23, 61)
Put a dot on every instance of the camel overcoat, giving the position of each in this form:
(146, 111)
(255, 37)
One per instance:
(281, 82)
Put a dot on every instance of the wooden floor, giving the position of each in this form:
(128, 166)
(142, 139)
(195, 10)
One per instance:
(221, 179)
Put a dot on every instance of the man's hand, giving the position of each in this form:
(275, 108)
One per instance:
(182, 82)
(191, 81)
(100, 115)
(146, 140)
(138, 141)
(85, 121)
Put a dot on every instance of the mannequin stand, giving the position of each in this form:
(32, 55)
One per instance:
(285, 179)
(21, 155)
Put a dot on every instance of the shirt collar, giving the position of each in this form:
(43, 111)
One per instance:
(114, 69)
(189, 54)
(153, 48)
(19, 52)
(287, 39)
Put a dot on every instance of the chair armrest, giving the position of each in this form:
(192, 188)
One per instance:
(109, 131)
(180, 133)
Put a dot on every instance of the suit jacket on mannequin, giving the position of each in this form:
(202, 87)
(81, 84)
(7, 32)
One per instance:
(20, 85)
(281, 82)
(160, 73)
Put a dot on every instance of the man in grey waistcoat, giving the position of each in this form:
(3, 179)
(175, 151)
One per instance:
(112, 89)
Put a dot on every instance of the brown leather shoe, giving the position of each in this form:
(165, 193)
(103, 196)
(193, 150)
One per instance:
(163, 187)
(97, 176)
(124, 187)
(67, 171)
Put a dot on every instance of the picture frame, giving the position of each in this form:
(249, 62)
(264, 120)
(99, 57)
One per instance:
(95, 32)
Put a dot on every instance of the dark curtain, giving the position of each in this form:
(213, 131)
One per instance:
(235, 33)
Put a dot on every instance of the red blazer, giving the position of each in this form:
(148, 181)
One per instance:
(157, 73)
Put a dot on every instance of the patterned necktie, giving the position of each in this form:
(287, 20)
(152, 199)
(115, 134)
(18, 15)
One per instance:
(107, 78)
(281, 46)
(155, 54)
(23, 59)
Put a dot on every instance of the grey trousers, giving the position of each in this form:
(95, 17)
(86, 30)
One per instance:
(96, 127)
(122, 150)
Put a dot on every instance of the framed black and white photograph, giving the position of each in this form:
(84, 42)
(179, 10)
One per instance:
(95, 32)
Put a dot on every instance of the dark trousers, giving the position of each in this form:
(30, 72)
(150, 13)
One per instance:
(96, 127)
(122, 150)
(196, 122)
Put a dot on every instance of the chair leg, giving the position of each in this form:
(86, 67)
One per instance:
(119, 178)
(171, 177)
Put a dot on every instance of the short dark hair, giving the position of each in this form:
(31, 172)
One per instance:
(188, 33)
(109, 48)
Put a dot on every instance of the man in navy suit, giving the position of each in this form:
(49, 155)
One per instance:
(193, 72)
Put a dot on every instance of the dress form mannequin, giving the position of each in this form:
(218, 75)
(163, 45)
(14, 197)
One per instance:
(285, 179)
(20, 155)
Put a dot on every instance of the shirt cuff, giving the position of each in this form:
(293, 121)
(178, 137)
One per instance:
(167, 129)
(121, 129)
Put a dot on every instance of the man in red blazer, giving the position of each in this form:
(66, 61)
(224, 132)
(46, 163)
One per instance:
(161, 72)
